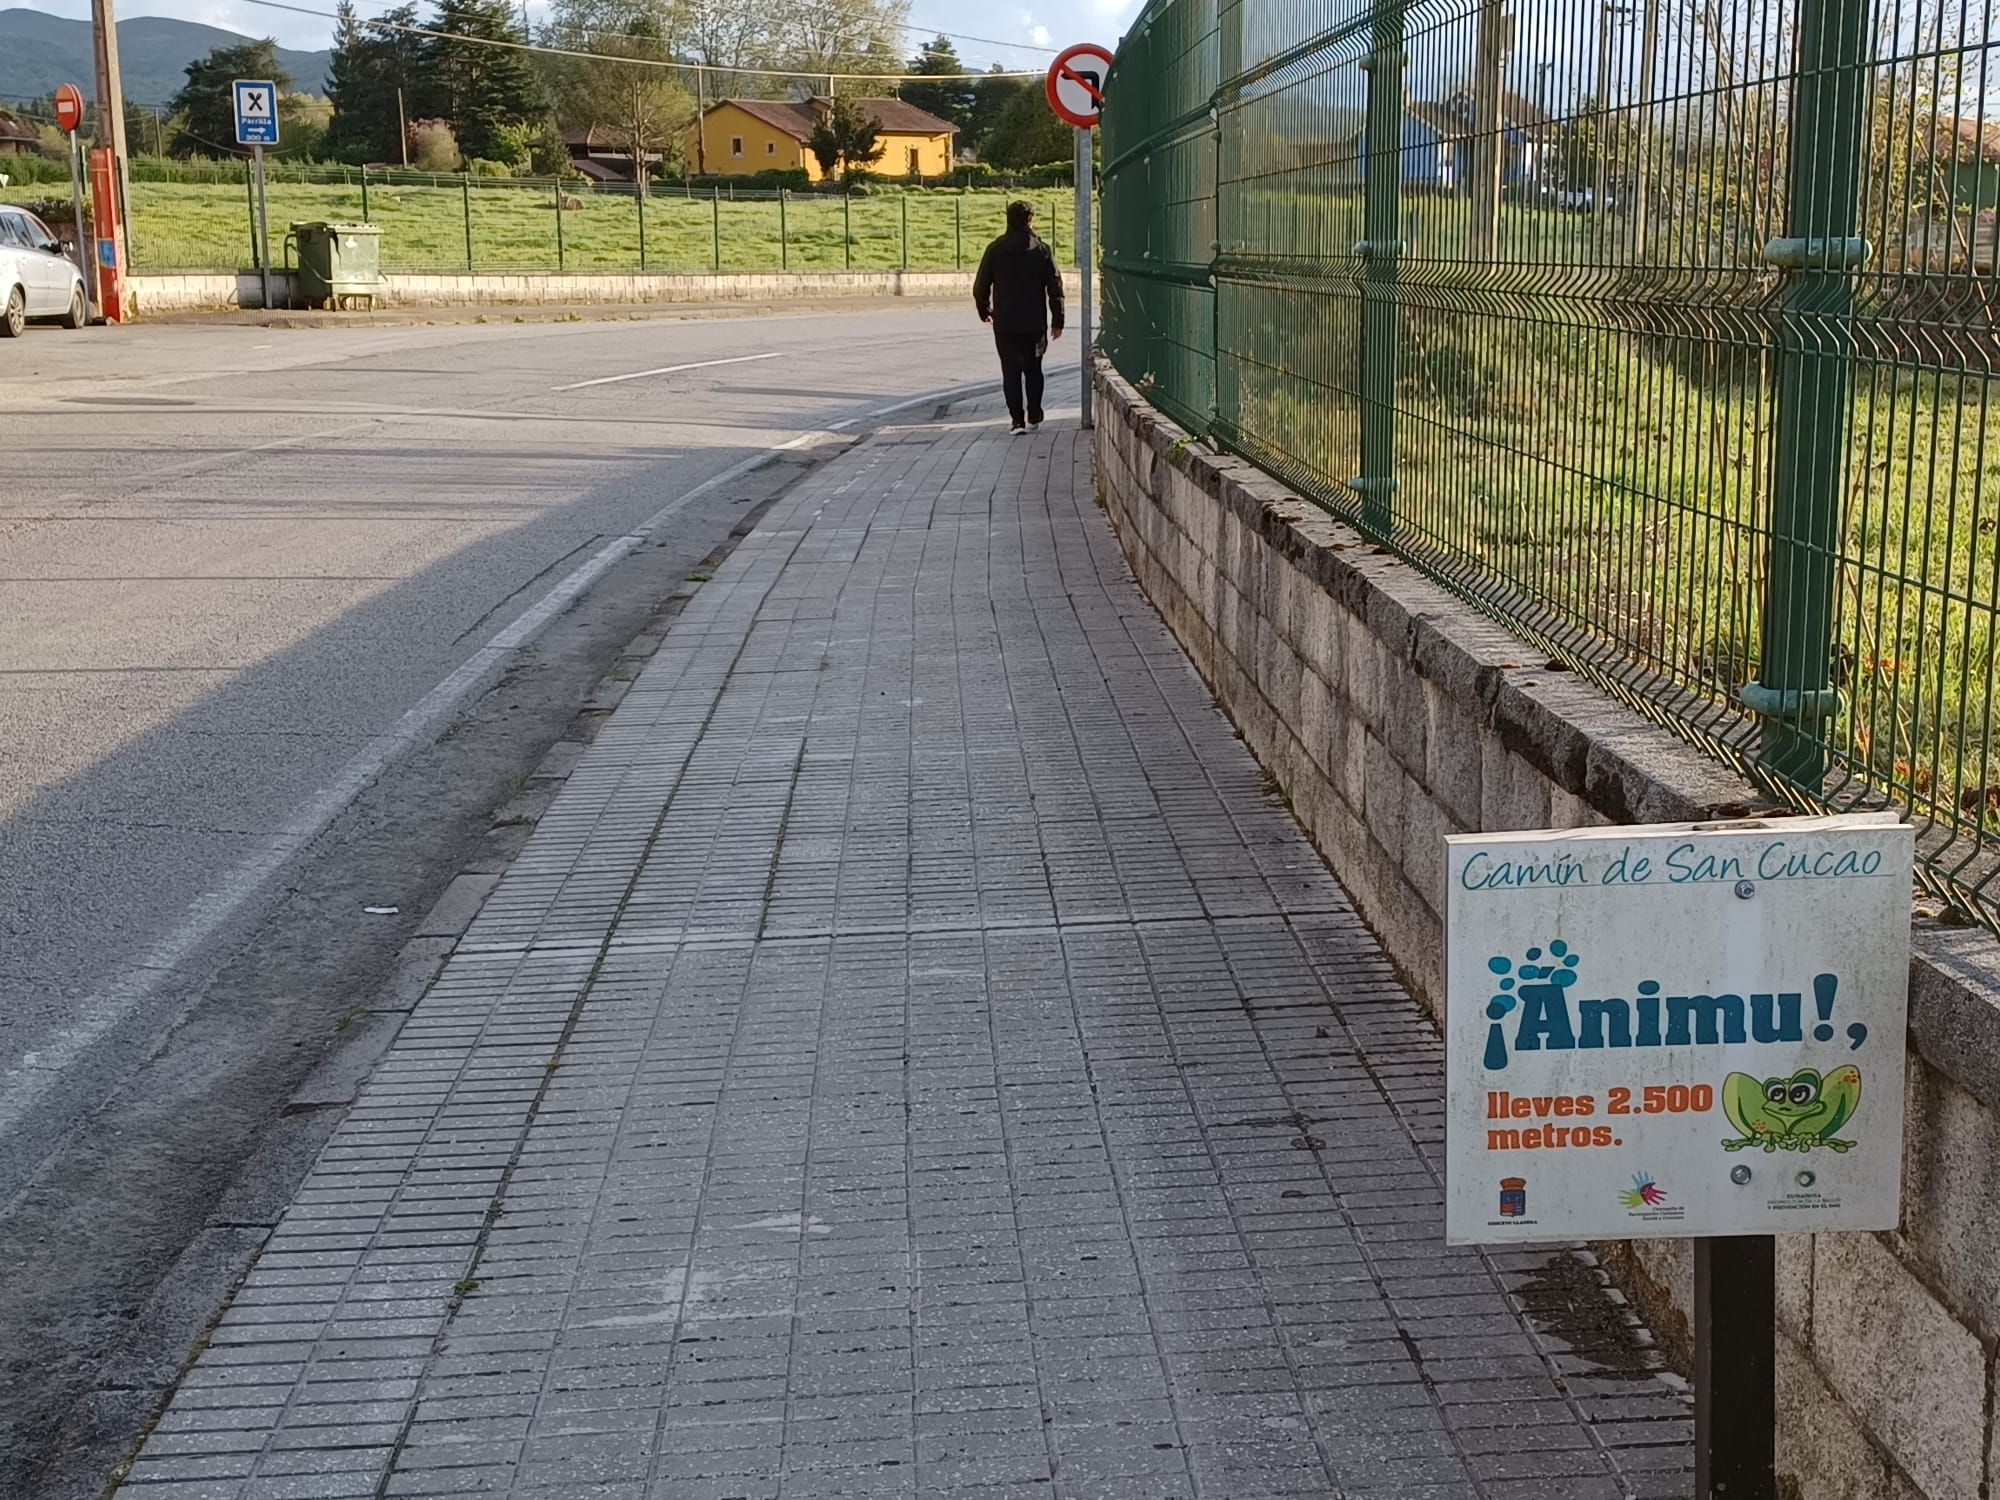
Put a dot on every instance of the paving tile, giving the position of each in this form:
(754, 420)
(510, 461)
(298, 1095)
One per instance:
(910, 1057)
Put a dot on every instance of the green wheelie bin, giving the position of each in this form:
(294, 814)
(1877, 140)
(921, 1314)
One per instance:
(339, 264)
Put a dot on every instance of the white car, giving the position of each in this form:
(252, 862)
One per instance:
(36, 279)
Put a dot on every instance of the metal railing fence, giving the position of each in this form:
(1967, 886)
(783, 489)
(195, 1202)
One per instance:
(1663, 330)
(453, 222)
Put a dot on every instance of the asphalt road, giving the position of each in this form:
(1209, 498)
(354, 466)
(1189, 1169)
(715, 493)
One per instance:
(231, 560)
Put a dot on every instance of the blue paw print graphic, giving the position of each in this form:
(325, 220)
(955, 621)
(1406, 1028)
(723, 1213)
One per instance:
(1555, 976)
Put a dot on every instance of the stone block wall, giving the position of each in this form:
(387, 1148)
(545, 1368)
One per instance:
(1391, 714)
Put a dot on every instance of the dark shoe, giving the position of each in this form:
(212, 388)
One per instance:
(1018, 430)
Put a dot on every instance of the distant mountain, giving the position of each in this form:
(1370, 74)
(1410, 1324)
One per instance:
(38, 51)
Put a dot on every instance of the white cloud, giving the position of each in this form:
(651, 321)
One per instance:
(1039, 35)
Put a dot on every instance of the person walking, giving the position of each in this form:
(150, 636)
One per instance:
(1020, 292)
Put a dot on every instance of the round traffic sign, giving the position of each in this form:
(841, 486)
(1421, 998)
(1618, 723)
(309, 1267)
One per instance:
(69, 107)
(1076, 82)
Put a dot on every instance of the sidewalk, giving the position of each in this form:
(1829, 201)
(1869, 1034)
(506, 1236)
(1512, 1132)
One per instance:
(913, 1056)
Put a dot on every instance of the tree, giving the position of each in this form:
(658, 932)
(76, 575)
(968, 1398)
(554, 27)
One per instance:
(844, 140)
(146, 130)
(635, 103)
(206, 104)
(1028, 134)
(948, 101)
(374, 62)
(819, 37)
(490, 94)
(990, 98)
(302, 122)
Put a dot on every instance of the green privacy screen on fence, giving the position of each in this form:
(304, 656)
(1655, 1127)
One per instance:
(1663, 330)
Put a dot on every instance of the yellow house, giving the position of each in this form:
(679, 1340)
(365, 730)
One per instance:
(742, 137)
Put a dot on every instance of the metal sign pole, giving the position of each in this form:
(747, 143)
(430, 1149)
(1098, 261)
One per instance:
(86, 263)
(263, 226)
(1083, 259)
(1735, 1365)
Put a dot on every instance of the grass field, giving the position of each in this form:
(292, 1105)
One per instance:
(496, 227)
(1557, 465)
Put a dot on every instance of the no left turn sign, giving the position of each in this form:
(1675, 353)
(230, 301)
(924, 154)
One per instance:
(1076, 83)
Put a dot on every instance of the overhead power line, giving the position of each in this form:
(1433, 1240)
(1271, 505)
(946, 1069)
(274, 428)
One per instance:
(645, 62)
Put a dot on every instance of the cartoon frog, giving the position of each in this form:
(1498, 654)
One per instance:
(1791, 1114)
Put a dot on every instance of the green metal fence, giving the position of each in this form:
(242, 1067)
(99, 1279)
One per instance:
(448, 222)
(1664, 330)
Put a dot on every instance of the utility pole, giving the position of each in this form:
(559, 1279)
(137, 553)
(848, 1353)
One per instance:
(402, 129)
(111, 108)
(701, 122)
(1488, 133)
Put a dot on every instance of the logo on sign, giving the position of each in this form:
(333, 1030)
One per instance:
(1513, 1197)
(1643, 1193)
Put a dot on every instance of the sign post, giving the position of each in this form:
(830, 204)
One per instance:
(1691, 1030)
(1076, 93)
(257, 127)
(69, 120)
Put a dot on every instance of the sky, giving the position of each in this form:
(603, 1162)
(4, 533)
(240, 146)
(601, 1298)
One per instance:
(1027, 25)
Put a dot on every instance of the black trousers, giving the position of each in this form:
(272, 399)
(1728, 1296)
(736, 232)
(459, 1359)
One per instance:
(1021, 366)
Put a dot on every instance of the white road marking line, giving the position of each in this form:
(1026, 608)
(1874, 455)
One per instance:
(23, 1087)
(700, 364)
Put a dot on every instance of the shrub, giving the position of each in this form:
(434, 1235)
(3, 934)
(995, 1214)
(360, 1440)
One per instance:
(481, 166)
(433, 146)
(23, 171)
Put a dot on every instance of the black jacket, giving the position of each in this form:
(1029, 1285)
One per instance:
(1018, 285)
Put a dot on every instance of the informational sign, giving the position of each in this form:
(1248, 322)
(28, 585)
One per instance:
(69, 108)
(1688, 1029)
(256, 112)
(1076, 83)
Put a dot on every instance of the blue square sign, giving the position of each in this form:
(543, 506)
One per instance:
(256, 112)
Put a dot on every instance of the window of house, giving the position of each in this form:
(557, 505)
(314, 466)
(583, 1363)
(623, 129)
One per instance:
(736, 145)
(916, 163)
(770, 148)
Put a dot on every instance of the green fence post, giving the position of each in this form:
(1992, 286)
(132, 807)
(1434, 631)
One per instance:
(641, 189)
(1380, 249)
(715, 225)
(904, 199)
(784, 244)
(364, 194)
(1820, 255)
(847, 222)
(465, 189)
(560, 256)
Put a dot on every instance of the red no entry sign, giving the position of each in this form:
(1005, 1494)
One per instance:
(1076, 83)
(69, 107)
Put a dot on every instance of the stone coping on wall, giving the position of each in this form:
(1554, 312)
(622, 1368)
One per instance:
(1619, 766)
